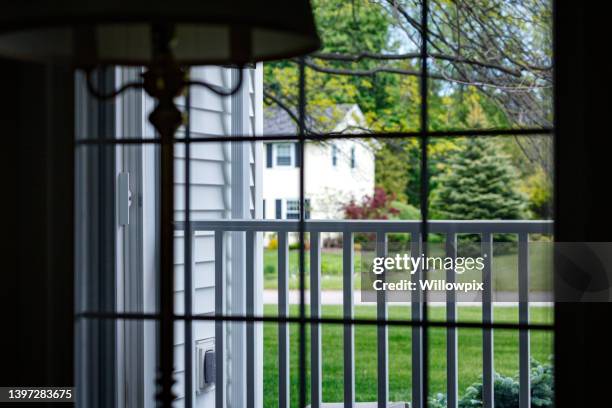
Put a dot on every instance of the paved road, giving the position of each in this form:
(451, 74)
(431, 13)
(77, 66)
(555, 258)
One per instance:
(334, 297)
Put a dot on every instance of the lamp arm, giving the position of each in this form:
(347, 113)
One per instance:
(136, 85)
(100, 95)
(219, 90)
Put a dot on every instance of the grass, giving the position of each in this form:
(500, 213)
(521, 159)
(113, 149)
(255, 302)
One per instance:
(470, 353)
(504, 268)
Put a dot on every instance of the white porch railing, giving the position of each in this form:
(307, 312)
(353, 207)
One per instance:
(381, 228)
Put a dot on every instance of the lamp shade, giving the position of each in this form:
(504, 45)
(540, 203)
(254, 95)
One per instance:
(86, 33)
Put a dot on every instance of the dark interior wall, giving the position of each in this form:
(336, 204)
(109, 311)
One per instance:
(37, 129)
(583, 344)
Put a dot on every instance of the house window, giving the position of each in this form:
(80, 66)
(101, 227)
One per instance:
(353, 157)
(283, 154)
(334, 155)
(293, 209)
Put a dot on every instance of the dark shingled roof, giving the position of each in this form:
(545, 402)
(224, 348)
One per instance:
(277, 122)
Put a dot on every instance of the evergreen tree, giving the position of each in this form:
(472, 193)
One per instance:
(478, 183)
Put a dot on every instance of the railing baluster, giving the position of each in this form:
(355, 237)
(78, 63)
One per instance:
(417, 331)
(524, 357)
(315, 311)
(349, 341)
(487, 317)
(219, 326)
(189, 267)
(283, 329)
(381, 315)
(250, 312)
(451, 332)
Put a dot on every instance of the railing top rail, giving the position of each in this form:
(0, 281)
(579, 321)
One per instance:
(405, 226)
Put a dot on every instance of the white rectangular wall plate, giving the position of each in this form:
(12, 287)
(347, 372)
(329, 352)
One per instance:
(201, 348)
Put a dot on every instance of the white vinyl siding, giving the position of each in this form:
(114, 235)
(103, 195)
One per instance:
(210, 198)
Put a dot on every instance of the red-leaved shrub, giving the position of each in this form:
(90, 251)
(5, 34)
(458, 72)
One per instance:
(375, 207)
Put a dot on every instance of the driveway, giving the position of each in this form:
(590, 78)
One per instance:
(334, 297)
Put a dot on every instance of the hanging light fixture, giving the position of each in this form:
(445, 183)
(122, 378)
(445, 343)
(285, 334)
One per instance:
(166, 38)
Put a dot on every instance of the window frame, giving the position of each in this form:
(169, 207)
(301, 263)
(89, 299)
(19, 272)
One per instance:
(424, 134)
(334, 155)
(289, 156)
(292, 213)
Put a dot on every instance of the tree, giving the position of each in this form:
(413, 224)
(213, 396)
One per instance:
(489, 64)
(393, 170)
(499, 49)
(478, 183)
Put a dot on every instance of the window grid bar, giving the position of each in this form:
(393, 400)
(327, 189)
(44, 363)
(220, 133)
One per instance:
(530, 132)
(320, 320)
(188, 267)
(424, 192)
(302, 306)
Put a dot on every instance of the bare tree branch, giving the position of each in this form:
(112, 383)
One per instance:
(362, 72)
(331, 56)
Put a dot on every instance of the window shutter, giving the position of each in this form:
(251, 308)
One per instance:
(268, 154)
(298, 161)
(307, 208)
(279, 209)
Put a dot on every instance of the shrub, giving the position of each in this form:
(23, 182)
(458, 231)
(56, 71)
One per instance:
(538, 189)
(406, 211)
(332, 242)
(506, 390)
(296, 245)
(376, 207)
(273, 243)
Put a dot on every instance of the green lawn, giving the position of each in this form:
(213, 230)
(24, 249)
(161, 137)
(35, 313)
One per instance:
(504, 268)
(470, 353)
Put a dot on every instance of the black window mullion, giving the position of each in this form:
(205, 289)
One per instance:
(187, 247)
(300, 147)
(424, 192)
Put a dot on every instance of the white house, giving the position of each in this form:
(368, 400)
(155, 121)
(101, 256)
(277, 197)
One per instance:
(336, 171)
